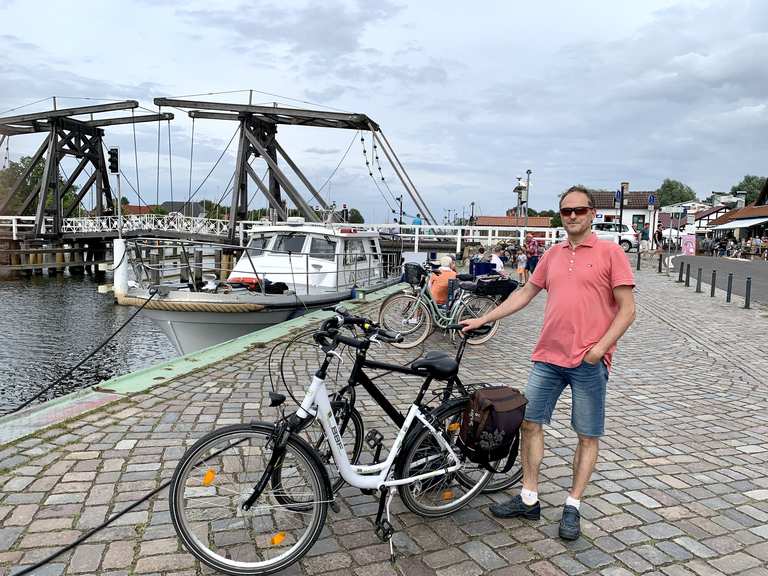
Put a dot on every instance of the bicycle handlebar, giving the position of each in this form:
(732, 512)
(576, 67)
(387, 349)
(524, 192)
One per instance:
(373, 332)
(479, 331)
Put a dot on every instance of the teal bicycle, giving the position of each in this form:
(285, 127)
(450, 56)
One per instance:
(413, 313)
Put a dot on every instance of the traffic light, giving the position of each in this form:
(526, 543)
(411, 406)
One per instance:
(344, 213)
(113, 160)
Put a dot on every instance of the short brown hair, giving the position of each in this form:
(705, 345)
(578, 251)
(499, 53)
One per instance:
(580, 189)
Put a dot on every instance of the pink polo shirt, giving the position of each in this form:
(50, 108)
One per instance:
(580, 303)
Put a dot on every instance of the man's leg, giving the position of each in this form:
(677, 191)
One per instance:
(545, 384)
(588, 387)
(584, 464)
(532, 454)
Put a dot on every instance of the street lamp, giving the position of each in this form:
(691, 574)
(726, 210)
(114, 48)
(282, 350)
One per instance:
(527, 192)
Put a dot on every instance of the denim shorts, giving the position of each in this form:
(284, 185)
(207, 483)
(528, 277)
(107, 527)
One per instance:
(588, 384)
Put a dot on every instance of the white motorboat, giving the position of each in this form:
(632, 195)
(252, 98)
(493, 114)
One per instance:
(284, 271)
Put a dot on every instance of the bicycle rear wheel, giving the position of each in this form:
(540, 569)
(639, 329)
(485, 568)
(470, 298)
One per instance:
(218, 473)
(443, 494)
(407, 315)
(475, 307)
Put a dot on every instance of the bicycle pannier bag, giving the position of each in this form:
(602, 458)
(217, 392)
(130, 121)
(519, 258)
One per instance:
(413, 273)
(495, 286)
(490, 426)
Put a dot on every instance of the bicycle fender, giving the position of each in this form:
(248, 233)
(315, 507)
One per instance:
(416, 430)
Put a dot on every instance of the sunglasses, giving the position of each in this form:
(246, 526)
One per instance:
(579, 211)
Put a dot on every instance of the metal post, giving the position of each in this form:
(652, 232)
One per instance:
(713, 284)
(680, 275)
(661, 258)
(416, 239)
(119, 210)
(687, 275)
(729, 288)
(748, 292)
(698, 280)
(638, 258)
(527, 195)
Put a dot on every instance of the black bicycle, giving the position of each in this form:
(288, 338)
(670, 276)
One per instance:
(447, 402)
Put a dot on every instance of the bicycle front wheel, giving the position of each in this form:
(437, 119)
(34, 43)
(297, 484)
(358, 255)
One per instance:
(445, 493)
(407, 315)
(218, 473)
(475, 307)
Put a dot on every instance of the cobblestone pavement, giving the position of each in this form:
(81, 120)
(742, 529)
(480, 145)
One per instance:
(681, 487)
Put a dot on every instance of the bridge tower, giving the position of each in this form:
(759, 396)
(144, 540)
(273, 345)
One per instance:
(67, 135)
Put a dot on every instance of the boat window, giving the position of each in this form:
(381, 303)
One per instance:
(291, 242)
(322, 247)
(374, 252)
(354, 251)
(257, 244)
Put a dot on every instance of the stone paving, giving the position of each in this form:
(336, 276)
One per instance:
(681, 488)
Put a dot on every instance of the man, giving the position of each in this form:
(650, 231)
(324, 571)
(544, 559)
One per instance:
(589, 307)
(532, 255)
(658, 238)
(417, 220)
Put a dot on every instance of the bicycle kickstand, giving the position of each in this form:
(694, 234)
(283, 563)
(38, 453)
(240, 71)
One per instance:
(383, 527)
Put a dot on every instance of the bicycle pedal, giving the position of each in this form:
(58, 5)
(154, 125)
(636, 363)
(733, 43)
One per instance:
(384, 530)
(374, 438)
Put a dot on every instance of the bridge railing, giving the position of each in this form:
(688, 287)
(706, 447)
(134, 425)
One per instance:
(454, 236)
(175, 222)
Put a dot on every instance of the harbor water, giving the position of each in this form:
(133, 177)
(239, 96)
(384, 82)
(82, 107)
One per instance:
(49, 324)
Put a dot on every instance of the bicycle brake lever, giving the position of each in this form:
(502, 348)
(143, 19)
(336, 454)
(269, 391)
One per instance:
(337, 354)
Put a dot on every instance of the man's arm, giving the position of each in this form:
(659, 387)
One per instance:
(517, 301)
(625, 298)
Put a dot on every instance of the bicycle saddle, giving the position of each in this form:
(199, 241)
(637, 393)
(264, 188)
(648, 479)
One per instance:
(437, 364)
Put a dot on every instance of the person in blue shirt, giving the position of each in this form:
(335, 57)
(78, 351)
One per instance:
(417, 220)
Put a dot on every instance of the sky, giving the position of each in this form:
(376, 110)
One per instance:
(594, 92)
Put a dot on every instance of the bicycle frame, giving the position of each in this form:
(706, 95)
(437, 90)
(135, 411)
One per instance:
(441, 319)
(317, 404)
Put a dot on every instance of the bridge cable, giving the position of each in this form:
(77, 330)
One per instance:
(191, 154)
(84, 360)
(136, 157)
(7, 158)
(370, 173)
(170, 160)
(157, 184)
(25, 105)
(340, 161)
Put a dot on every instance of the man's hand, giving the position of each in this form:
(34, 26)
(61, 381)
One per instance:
(593, 356)
(472, 324)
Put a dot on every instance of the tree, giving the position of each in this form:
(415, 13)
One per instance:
(355, 217)
(673, 192)
(752, 185)
(556, 221)
(124, 201)
(10, 175)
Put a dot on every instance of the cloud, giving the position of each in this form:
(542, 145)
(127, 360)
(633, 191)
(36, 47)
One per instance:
(323, 151)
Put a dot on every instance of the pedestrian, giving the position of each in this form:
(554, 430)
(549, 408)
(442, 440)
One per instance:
(645, 240)
(497, 261)
(521, 261)
(532, 255)
(590, 305)
(658, 238)
(416, 220)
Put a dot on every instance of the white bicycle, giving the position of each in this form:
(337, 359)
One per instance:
(252, 498)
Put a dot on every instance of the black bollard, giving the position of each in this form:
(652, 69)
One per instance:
(638, 258)
(687, 275)
(660, 259)
(680, 275)
(698, 281)
(712, 284)
(729, 288)
(748, 292)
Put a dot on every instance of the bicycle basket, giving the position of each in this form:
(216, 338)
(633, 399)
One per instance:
(495, 286)
(413, 273)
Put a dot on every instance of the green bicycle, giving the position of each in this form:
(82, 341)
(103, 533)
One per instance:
(414, 313)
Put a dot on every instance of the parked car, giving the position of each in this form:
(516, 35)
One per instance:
(627, 237)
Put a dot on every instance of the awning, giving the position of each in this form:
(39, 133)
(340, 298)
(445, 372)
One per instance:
(745, 223)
